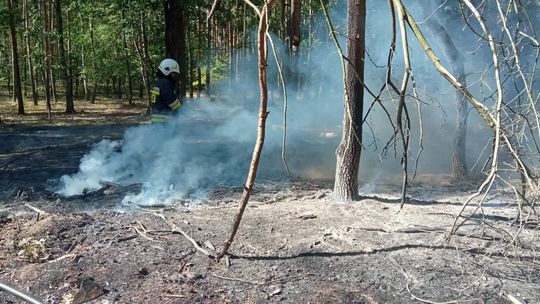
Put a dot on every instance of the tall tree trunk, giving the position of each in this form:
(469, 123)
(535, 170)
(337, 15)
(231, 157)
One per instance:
(146, 58)
(284, 19)
(189, 58)
(29, 53)
(128, 61)
(52, 53)
(199, 59)
(85, 74)
(456, 61)
(230, 37)
(208, 55)
(15, 60)
(64, 62)
(94, 65)
(71, 62)
(141, 45)
(349, 150)
(175, 38)
(23, 69)
(295, 29)
(47, 57)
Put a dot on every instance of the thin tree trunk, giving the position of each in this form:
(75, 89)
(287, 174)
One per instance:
(128, 61)
(349, 150)
(295, 29)
(15, 60)
(146, 59)
(84, 76)
(52, 53)
(261, 127)
(199, 59)
(142, 50)
(175, 38)
(456, 62)
(230, 52)
(208, 55)
(284, 19)
(94, 65)
(190, 58)
(64, 62)
(29, 53)
(47, 57)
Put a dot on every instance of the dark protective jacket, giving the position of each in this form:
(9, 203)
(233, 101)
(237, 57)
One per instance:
(164, 99)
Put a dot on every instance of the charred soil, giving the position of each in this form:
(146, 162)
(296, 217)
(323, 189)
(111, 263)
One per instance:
(296, 244)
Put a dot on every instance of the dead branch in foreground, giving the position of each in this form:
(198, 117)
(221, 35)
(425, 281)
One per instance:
(248, 187)
(174, 229)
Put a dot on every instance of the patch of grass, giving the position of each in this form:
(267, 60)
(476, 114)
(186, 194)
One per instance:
(32, 249)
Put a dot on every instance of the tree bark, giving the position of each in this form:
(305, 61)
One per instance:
(64, 62)
(199, 59)
(208, 55)
(85, 75)
(457, 67)
(47, 57)
(261, 127)
(189, 58)
(349, 150)
(175, 38)
(94, 66)
(141, 45)
(29, 53)
(127, 61)
(295, 31)
(15, 60)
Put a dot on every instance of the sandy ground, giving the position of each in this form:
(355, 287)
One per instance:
(296, 244)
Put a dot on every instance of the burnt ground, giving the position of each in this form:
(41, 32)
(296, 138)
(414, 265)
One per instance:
(296, 244)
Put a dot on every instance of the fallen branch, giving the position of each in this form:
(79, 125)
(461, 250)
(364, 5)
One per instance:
(238, 280)
(39, 211)
(175, 296)
(176, 229)
(199, 248)
(263, 282)
(512, 299)
(141, 233)
(69, 254)
(407, 279)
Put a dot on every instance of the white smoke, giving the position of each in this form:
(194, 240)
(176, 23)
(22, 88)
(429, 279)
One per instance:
(210, 142)
(179, 159)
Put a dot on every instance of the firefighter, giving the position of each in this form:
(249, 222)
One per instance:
(165, 99)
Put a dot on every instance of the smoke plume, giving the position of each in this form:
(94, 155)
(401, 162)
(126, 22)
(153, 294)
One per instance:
(209, 142)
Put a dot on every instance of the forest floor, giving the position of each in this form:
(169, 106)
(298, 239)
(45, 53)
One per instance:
(296, 244)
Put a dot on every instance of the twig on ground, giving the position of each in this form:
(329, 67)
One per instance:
(175, 229)
(175, 296)
(263, 282)
(512, 299)
(69, 254)
(407, 279)
(39, 211)
(238, 280)
(141, 233)
(127, 238)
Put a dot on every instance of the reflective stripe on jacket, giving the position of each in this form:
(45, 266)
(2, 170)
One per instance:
(160, 118)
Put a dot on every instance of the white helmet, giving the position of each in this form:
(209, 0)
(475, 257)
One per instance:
(169, 65)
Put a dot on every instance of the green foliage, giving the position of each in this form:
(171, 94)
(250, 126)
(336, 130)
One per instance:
(96, 34)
